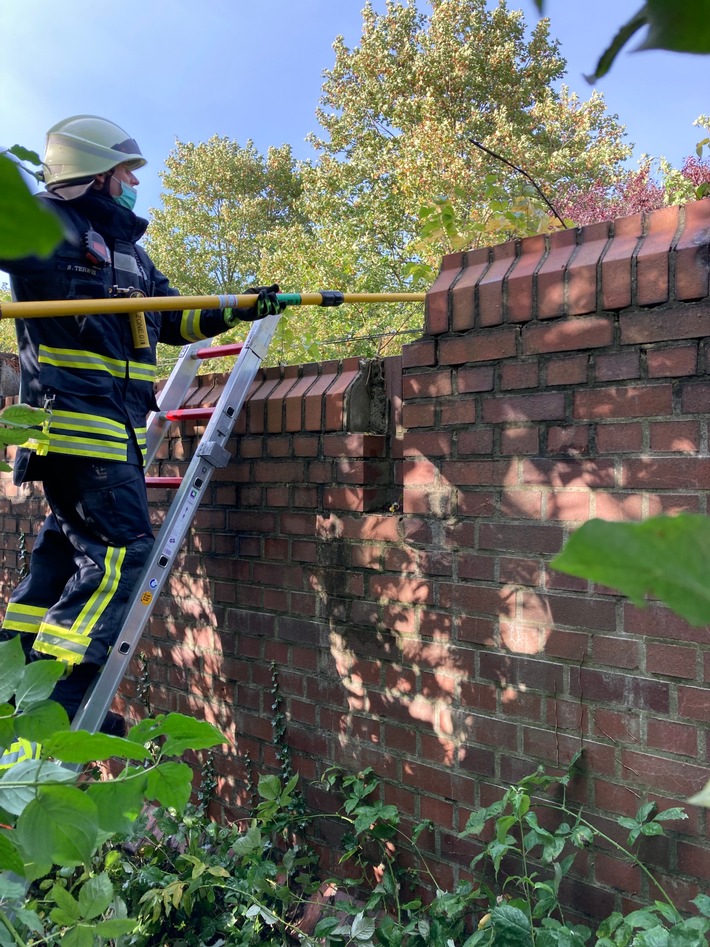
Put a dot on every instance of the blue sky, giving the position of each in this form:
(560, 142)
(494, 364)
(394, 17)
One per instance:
(167, 69)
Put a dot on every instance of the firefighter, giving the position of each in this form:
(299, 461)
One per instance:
(97, 384)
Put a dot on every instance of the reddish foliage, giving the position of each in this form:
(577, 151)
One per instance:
(638, 191)
(696, 170)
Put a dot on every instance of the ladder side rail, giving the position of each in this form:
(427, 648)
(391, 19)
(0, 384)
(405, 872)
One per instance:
(210, 455)
(171, 396)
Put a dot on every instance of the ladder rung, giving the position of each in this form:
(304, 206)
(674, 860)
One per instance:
(217, 351)
(172, 483)
(189, 414)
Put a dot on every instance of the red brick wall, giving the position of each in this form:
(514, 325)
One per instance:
(399, 582)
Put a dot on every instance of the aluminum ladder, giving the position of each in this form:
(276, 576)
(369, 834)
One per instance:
(211, 454)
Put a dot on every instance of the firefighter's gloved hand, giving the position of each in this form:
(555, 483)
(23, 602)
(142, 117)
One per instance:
(267, 304)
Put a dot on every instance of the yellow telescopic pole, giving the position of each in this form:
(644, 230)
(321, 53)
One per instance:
(97, 307)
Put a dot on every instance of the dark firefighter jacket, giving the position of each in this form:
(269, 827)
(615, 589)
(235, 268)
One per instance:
(85, 369)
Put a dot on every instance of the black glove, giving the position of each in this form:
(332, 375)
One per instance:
(267, 304)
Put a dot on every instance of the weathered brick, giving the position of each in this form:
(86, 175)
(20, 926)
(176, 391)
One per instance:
(653, 257)
(616, 263)
(481, 347)
(583, 268)
(546, 406)
(617, 366)
(551, 275)
(490, 285)
(634, 401)
(463, 294)
(437, 299)
(571, 370)
(691, 252)
(521, 374)
(670, 660)
(672, 361)
(520, 280)
(586, 332)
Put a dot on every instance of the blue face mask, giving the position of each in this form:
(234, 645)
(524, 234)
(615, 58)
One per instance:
(127, 197)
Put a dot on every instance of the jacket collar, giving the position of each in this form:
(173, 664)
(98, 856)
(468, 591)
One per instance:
(111, 218)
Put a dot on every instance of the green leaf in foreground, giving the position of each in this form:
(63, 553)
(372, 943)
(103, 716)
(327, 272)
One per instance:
(119, 802)
(77, 746)
(26, 228)
(180, 733)
(667, 557)
(170, 784)
(12, 664)
(95, 896)
(41, 719)
(37, 682)
(18, 785)
(681, 27)
(10, 859)
(61, 824)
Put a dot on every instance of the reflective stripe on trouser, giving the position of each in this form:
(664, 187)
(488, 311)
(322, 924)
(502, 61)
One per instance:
(86, 560)
(18, 752)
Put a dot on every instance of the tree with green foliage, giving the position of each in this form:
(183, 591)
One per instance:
(223, 208)
(399, 116)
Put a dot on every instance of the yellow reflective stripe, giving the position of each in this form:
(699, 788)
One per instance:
(87, 447)
(75, 421)
(70, 644)
(76, 358)
(95, 607)
(19, 751)
(61, 643)
(141, 438)
(190, 325)
(141, 371)
(23, 617)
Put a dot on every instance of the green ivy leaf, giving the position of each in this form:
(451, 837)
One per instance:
(37, 682)
(269, 787)
(77, 746)
(12, 664)
(665, 556)
(41, 719)
(26, 228)
(669, 814)
(61, 823)
(170, 784)
(95, 896)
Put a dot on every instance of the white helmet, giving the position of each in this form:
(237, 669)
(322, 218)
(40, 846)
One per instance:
(80, 147)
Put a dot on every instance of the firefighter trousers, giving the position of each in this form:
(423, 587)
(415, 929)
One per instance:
(84, 565)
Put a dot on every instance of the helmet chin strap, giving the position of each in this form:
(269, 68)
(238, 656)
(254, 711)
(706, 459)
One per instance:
(106, 186)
